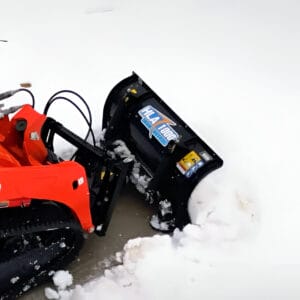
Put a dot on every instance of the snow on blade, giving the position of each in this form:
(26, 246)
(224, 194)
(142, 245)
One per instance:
(140, 180)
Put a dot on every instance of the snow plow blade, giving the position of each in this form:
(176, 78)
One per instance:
(169, 158)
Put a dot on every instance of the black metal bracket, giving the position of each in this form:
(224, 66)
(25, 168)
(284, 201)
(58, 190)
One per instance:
(105, 175)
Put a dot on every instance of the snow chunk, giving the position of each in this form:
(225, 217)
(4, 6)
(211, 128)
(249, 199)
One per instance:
(99, 227)
(122, 151)
(165, 207)
(51, 293)
(26, 288)
(119, 257)
(159, 225)
(14, 279)
(62, 245)
(102, 134)
(62, 279)
(141, 181)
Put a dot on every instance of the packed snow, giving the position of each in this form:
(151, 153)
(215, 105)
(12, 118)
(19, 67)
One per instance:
(230, 69)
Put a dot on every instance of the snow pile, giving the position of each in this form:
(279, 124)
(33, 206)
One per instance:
(184, 266)
(192, 261)
(228, 211)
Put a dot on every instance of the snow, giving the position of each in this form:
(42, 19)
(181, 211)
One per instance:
(230, 69)
(62, 279)
(165, 222)
(166, 207)
(62, 245)
(201, 269)
(51, 293)
(122, 151)
(26, 288)
(99, 227)
(13, 280)
(140, 180)
(158, 224)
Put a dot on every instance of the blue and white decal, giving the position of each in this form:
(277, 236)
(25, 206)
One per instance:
(158, 125)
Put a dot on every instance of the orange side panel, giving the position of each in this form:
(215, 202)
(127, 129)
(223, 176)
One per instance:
(26, 174)
(64, 183)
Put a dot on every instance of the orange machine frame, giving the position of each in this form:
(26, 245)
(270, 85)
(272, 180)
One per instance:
(26, 173)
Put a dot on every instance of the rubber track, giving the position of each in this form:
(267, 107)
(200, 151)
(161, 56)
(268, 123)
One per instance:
(46, 219)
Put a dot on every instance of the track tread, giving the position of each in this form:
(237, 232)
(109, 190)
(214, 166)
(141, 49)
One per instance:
(51, 222)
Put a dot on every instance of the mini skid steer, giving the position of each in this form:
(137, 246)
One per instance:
(47, 202)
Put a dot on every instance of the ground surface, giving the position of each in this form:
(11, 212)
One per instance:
(130, 219)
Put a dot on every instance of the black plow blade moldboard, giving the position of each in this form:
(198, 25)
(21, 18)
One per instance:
(169, 150)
